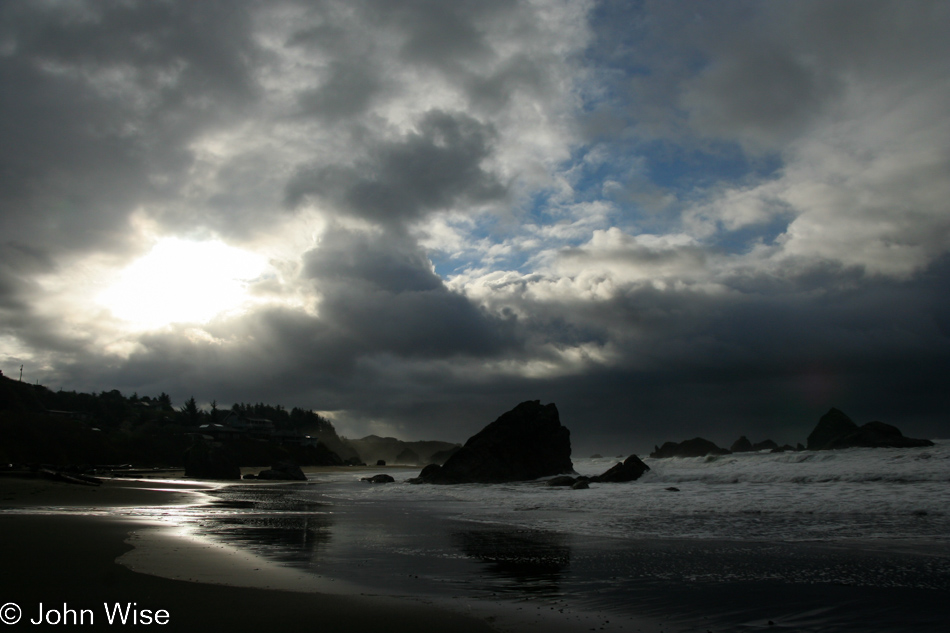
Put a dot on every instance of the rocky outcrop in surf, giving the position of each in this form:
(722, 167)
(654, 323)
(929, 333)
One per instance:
(630, 469)
(835, 430)
(525, 443)
(696, 447)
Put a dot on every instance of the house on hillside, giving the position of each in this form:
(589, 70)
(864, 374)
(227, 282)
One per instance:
(258, 428)
(72, 415)
(220, 431)
(235, 426)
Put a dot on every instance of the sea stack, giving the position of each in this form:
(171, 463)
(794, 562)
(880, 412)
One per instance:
(525, 443)
(836, 430)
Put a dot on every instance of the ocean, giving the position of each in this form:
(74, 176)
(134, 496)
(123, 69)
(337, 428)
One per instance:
(849, 540)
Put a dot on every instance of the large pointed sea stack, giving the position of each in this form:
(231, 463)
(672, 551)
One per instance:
(836, 430)
(525, 443)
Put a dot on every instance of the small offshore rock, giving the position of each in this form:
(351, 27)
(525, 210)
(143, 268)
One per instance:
(379, 479)
(632, 468)
(283, 471)
(580, 485)
(563, 480)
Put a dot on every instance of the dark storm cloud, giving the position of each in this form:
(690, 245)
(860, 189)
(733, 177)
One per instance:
(449, 39)
(18, 264)
(271, 355)
(433, 168)
(380, 291)
(348, 91)
(20, 291)
(720, 366)
(446, 35)
(352, 74)
(494, 90)
(99, 104)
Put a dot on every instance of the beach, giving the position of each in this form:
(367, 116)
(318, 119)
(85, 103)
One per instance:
(65, 558)
(741, 545)
(73, 553)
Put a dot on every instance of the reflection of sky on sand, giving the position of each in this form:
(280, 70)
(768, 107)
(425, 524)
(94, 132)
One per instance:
(387, 547)
(287, 539)
(267, 520)
(519, 562)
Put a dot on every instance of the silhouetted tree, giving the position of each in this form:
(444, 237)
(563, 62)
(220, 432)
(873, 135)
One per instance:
(190, 414)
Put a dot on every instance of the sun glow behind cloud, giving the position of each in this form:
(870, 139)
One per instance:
(182, 281)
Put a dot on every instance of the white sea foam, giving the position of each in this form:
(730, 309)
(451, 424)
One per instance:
(829, 495)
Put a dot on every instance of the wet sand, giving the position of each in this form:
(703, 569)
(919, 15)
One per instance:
(67, 563)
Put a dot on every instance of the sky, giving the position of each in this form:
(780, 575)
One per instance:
(670, 219)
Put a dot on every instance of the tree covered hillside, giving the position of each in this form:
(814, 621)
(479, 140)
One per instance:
(39, 425)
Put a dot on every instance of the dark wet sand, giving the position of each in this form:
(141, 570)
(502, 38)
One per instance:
(59, 559)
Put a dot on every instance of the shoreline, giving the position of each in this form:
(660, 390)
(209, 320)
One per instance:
(85, 560)
(79, 545)
(65, 546)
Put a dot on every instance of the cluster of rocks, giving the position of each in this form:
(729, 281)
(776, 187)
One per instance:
(529, 442)
(696, 447)
(743, 445)
(701, 447)
(834, 430)
(630, 469)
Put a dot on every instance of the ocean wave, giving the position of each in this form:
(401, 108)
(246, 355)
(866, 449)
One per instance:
(833, 495)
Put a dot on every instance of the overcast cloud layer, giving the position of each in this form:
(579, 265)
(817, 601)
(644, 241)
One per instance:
(670, 219)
